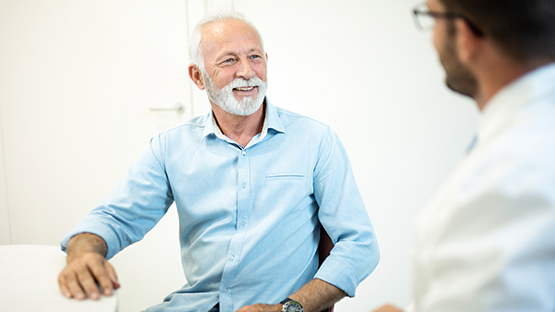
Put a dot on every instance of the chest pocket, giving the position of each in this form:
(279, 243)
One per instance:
(284, 176)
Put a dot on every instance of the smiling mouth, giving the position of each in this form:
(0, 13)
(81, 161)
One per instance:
(244, 88)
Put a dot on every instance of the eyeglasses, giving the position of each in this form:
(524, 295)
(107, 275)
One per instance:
(426, 19)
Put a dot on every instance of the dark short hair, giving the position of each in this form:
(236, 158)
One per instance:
(523, 29)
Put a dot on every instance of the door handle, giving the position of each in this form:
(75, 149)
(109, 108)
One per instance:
(178, 108)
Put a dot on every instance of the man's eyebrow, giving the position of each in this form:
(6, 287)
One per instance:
(226, 54)
(234, 53)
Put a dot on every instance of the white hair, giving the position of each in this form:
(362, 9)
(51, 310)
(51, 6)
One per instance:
(196, 37)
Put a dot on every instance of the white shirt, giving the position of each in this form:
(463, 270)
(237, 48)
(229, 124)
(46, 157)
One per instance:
(486, 242)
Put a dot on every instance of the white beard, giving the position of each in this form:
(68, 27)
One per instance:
(225, 99)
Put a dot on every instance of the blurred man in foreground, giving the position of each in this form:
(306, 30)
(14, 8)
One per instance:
(486, 241)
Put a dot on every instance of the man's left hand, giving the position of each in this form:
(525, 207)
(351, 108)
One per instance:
(259, 307)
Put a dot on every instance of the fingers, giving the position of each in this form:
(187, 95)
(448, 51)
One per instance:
(70, 283)
(80, 277)
(112, 275)
(62, 282)
(100, 274)
(87, 282)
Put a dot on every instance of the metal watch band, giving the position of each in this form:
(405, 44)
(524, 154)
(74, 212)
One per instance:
(290, 305)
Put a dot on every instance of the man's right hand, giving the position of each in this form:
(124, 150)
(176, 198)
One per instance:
(86, 267)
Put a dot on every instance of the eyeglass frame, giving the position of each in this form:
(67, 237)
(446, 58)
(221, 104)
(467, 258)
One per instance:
(445, 15)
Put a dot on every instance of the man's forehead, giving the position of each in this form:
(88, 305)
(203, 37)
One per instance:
(227, 28)
(229, 31)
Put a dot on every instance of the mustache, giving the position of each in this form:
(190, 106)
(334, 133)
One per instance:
(242, 83)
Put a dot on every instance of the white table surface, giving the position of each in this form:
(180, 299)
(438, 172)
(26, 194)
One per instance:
(29, 282)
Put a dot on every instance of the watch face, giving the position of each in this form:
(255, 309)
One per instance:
(293, 306)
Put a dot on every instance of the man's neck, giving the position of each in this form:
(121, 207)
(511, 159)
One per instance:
(240, 129)
(498, 75)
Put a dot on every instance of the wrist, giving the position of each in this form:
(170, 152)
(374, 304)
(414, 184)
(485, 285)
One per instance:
(84, 243)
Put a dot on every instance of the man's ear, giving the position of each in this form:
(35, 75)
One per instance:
(196, 76)
(468, 42)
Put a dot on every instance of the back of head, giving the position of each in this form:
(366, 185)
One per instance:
(523, 29)
(196, 37)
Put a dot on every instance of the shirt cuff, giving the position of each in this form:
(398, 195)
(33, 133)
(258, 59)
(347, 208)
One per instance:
(97, 228)
(342, 276)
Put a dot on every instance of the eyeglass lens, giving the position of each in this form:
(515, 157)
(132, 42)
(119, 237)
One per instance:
(425, 21)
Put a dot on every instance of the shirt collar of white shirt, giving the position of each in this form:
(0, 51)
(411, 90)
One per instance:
(514, 96)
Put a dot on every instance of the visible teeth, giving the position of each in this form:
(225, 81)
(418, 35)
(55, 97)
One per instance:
(245, 88)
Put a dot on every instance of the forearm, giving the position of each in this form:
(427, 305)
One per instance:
(86, 242)
(318, 295)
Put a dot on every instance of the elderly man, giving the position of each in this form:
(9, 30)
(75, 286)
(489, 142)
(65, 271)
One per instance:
(486, 241)
(253, 185)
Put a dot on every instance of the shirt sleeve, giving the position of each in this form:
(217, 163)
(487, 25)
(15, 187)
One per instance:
(135, 205)
(344, 217)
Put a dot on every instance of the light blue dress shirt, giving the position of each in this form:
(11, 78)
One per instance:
(249, 217)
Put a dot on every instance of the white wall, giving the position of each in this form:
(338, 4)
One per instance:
(358, 65)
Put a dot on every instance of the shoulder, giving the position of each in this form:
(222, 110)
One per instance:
(522, 157)
(529, 138)
(297, 122)
(192, 127)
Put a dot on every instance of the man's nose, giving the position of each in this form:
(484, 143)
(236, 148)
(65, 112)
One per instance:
(245, 70)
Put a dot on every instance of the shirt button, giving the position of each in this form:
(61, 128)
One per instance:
(225, 290)
(244, 185)
(232, 257)
(244, 153)
(242, 223)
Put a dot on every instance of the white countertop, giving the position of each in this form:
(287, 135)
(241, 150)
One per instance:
(29, 282)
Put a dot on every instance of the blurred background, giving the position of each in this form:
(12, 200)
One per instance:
(79, 80)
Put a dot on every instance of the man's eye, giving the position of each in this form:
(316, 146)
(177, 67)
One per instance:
(228, 61)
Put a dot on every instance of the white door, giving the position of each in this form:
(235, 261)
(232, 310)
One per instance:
(77, 81)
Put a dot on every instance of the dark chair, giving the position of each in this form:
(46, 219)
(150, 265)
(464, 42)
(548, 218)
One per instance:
(324, 249)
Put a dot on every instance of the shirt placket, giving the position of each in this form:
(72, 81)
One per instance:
(236, 244)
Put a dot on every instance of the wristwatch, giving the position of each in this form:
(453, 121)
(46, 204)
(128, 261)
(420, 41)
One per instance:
(290, 305)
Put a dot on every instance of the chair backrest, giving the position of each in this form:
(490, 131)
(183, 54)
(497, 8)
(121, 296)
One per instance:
(324, 249)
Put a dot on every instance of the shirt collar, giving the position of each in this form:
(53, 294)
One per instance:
(271, 121)
(514, 96)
